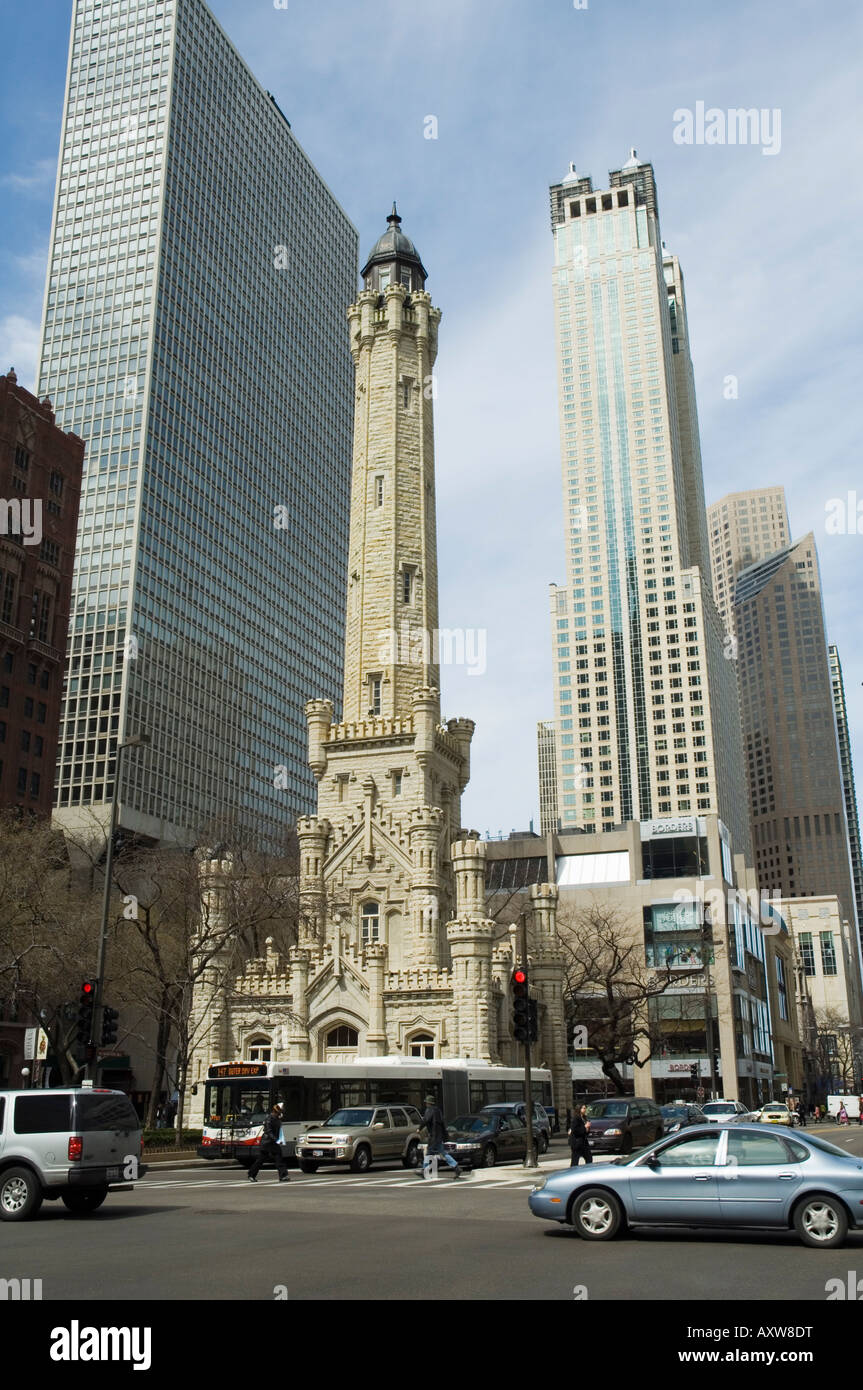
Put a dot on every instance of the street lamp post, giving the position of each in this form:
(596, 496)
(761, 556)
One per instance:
(706, 944)
(135, 741)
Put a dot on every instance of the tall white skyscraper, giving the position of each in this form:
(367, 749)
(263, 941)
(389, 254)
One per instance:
(195, 336)
(646, 716)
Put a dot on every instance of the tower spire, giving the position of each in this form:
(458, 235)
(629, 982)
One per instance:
(392, 616)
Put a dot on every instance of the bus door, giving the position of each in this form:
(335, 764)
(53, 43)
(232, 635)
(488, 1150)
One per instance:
(455, 1099)
(288, 1091)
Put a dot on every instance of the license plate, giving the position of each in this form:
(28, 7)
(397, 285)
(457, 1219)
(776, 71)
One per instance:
(113, 1174)
(317, 1153)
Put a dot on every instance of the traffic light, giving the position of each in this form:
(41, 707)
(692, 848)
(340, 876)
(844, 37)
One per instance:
(85, 1012)
(109, 1026)
(520, 1005)
(533, 1019)
(693, 1071)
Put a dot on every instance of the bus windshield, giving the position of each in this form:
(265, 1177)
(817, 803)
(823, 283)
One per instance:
(236, 1106)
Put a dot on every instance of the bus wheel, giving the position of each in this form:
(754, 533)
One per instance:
(308, 1167)
(362, 1159)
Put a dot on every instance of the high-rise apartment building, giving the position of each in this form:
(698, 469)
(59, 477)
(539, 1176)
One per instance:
(786, 699)
(547, 754)
(744, 527)
(646, 715)
(847, 765)
(40, 485)
(194, 335)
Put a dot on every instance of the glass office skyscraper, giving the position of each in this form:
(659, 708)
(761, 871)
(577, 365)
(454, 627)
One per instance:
(195, 336)
(646, 716)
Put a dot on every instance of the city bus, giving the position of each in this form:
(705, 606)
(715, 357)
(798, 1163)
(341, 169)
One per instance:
(238, 1095)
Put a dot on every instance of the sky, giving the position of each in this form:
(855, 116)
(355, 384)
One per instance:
(768, 234)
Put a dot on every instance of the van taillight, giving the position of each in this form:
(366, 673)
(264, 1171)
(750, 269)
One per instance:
(76, 1147)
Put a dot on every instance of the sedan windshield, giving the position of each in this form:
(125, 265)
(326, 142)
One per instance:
(472, 1124)
(719, 1107)
(349, 1119)
(674, 1112)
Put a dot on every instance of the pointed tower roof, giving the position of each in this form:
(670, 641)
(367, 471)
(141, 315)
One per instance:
(393, 245)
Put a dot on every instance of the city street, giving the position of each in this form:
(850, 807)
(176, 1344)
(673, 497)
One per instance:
(208, 1233)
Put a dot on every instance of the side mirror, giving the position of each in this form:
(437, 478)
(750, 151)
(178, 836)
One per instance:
(652, 1161)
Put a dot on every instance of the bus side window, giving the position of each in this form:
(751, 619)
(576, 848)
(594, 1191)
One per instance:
(290, 1099)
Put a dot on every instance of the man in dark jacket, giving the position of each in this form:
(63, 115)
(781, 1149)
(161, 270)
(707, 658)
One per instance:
(436, 1129)
(270, 1147)
(578, 1137)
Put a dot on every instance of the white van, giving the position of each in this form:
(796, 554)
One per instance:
(74, 1144)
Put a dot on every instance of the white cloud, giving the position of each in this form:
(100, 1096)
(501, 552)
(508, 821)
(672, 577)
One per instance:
(38, 178)
(19, 347)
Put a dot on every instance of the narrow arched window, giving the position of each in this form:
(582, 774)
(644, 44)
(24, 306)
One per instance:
(371, 922)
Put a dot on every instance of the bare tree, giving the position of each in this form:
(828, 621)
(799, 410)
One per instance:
(48, 933)
(837, 1047)
(177, 935)
(610, 987)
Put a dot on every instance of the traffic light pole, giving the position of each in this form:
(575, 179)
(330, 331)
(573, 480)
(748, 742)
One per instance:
(530, 1157)
(136, 741)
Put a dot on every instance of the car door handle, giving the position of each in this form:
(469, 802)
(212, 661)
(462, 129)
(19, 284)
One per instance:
(702, 1177)
(787, 1177)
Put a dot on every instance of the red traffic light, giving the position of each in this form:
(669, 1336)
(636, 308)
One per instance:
(519, 976)
(87, 987)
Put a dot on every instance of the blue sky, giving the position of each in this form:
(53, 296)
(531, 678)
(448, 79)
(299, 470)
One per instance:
(769, 244)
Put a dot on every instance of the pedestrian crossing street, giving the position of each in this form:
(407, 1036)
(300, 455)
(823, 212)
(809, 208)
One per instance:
(481, 1179)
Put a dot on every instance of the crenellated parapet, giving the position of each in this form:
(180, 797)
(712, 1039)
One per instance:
(417, 981)
(269, 974)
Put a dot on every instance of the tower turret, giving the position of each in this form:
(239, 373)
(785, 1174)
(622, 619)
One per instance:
(392, 600)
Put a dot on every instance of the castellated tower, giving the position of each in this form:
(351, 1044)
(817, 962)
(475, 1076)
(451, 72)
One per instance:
(395, 953)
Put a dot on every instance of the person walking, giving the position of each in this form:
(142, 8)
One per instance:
(578, 1132)
(801, 1113)
(843, 1115)
(860, 1110)
(270, 1147)
(434, 1126)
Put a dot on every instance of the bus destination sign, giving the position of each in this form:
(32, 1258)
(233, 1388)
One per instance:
(237, 1069)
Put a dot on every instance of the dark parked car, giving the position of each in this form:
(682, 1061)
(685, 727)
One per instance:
(486, 1139)
(623, 1124)
(721, 1175)
(677, 1117)
(541, 1121)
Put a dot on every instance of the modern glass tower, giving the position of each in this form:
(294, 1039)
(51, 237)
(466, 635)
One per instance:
(194, 335)
(847, 765)
(646, 717)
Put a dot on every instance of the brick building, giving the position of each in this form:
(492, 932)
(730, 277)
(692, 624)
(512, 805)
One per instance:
(40, 489)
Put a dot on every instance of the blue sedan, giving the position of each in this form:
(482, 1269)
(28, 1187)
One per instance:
(716, 1175)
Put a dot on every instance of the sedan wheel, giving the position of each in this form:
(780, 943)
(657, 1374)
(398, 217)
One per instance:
(542, 1142)
(821, 1221)
(489, 1157)
(596, 1215)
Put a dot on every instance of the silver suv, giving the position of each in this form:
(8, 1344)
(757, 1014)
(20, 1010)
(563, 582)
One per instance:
(73, 1144)
(360, 1135)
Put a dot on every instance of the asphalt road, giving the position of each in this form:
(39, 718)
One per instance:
(205, 1232)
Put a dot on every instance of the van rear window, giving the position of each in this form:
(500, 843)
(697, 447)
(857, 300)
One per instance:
(48, 1114)
(94, 1112)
